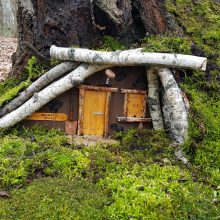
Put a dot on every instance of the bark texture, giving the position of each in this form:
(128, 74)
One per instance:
(129, 58)
(175, 113)
(83, 22)
(36, 86)
(49, 93)
(154, 99)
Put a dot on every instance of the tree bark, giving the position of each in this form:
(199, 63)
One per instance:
(176, 116)
(68, 22)
(36, 86)
(154, 99)
(49, 93)
(129, 58)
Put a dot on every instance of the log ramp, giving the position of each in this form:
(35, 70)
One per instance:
(172, 116)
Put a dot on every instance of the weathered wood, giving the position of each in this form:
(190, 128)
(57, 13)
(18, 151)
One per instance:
(36, 86)
(47, 116)
(129, 58)
(125, 104)
(99, 88)
(154, 99)
(107, 108)
(174, 109)
(136, 105)
(49, 93)
(134, 119)
(133, 91)
(80, 116)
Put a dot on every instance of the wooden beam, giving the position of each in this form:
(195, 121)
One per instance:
(107, 108)
(125, 105)
(99, 88)
(134, 119)
(80, 117)
(133, 91)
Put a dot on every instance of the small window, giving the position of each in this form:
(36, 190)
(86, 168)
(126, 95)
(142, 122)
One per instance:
(134, 106)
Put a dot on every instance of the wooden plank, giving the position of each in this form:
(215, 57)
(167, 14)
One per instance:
(107, 108)
(125, 104)
(81, 103)
(136, 104)
(99, 88)
(133, 91)
(44, 116)
(134, 119)
(70, 127)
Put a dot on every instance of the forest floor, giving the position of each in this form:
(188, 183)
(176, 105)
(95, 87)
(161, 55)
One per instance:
(7, 47)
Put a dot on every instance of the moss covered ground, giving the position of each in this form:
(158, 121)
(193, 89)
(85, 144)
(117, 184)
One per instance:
(136, 178)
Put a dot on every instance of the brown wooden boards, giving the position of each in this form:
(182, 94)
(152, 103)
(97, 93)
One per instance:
(43, 116)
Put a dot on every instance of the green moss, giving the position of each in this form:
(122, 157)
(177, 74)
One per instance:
(55, 198)
(12, 86)
(158, 192)
(166, 44)
(201, 22)
(27, 153)
(137, 178)
(111, 44)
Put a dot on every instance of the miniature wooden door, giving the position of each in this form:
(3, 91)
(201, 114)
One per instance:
(94, 112)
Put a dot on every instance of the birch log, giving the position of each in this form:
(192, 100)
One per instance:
(49, 93)
(36, 86)
(129, 58)
(175, 114)
(154, 99)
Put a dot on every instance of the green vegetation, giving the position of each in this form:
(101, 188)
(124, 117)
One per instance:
(110, 44)
(12, 86)
(136, 178)
(55, 198)
(200, 21)
(166, 44)
(139, 177)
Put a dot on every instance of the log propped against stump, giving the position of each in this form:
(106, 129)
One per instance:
(174, 114)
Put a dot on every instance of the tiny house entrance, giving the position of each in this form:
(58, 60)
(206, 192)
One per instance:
(94, 104)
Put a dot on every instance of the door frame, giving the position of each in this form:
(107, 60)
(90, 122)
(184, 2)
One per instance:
(108, 91)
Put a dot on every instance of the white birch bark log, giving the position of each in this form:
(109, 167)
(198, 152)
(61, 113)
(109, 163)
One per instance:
(129, 58)
(174, 109)
(154, 99)
(49, 93)
(36, 86)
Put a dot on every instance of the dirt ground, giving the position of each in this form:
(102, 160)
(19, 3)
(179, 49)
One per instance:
(7, 47)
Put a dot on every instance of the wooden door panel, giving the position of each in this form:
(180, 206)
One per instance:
(136, 104)
(94, 112)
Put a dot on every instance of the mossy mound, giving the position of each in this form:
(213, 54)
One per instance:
(136, 178)
(55, 198)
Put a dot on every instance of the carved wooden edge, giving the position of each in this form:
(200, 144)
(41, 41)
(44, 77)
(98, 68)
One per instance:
(107, 106)
(134, 91)
(134, 119)
(145, 103)
(98, 88)
(80, 117)
(125, 104)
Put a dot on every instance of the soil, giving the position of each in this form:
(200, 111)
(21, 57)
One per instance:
(89, 140)
(7, 47)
